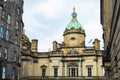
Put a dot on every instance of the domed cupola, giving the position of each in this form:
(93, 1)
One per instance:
(74, 24)
(74, 34)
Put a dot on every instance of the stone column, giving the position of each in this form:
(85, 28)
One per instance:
(79, 70)
(70, 71)
(75, 71)
(65, 69)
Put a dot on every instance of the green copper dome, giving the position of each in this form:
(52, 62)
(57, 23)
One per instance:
(74, 22)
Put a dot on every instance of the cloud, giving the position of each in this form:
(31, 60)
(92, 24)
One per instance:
(49, 8)
(47, 19)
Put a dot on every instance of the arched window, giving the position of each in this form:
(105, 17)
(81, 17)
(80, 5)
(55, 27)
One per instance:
(43, 70)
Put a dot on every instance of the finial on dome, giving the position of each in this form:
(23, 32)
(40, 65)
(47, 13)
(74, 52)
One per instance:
(74, 9)
(74, 14)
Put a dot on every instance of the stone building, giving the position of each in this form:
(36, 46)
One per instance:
(10, 38)
(70, 59)
(110, 20)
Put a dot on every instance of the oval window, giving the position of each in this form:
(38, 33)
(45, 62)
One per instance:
(72, 38)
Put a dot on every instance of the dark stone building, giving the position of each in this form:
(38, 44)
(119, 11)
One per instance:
(110, 20)
(11, 26)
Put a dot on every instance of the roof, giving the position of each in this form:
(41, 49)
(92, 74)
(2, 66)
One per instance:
(74, 23)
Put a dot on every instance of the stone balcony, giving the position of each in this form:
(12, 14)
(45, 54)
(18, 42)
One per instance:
(63, 78)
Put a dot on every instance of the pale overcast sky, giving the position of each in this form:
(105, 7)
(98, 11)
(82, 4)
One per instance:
(46, 20)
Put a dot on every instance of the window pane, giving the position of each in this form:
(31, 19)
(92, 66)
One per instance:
(73, 72)
(55, 72)
(43, 72)
(15, 55)
(17, 24)
(3, 15)
(7, 35)
(18, 11)
(8, 19)
(3, 73)
(15, 42)
(6, 53)
(0, 51)
(89, 72)
(16, 39)
(1, 32)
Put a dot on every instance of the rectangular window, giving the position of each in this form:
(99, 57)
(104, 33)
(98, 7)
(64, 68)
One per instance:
(3, 14)
(73, 72)
(7, 35)
(17, 24)
(18, 11)
(1, 32)
(55, 72)
(0, 51)
(16, 39)
(43, 72)
(15, 42)
(5, 53)
(8, 19)
(15, 56)
(14, 73)
(3, 72)
(89, 72)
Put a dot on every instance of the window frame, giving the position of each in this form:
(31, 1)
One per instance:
(3, 15)
(73, 71)
(72, 38)
(15, 56)
(17, 24)
(16, 39)
(43, 72)
(7, 34)
(0, 51)
(1, 31)
(89, 71)
(8, 19)
(18, 11)
(5, 53)
(3, 72)
(43, 68)
(56, 72)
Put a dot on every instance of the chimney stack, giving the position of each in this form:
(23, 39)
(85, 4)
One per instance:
(34, 45)
(96, 44)
(55, 46)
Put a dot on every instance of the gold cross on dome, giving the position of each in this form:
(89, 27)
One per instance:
(73, 9)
